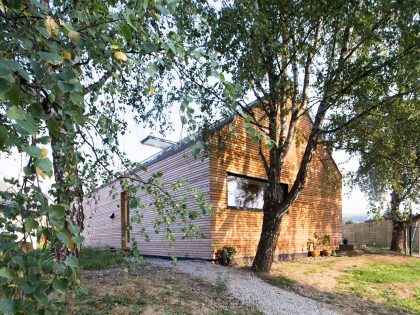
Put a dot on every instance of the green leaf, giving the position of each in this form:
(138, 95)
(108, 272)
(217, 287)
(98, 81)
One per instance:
(162, 10)
(44, 140)
(13, 95)
(3, 136)
(44, 164)
(149, 47)
(30, 224)
(5, 86)
(63, 237)
(65, 87)
(6, 273)
(8, 307)
(28, 170)
(74, 229)
(78, 239)
(33, 151)
(56, 211)
(126, 32)
(51, 57)
(40, 295)
(71, 261)
(47, 266)
(36, 110)
(16, 113)
(60, 285)
(53, 127)
(26, 126)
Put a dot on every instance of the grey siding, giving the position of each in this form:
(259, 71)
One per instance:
(102, 231)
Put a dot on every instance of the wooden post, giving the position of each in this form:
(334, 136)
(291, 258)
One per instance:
(125, 221)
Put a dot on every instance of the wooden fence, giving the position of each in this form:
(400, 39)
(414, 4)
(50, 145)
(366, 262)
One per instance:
(376, 233)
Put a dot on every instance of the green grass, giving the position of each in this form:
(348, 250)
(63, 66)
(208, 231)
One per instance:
(98, 259)
(385, 272)
(379, 248)
(384, 280)
(281, 281)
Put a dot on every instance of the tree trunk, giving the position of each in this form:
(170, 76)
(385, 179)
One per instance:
(271, 224)
(397, 241)
(267, 245)
(68, 192)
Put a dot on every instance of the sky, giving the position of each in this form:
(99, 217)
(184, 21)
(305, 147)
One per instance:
(354, 202)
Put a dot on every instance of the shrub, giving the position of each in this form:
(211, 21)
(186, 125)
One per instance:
(226, 254)
(222, 283)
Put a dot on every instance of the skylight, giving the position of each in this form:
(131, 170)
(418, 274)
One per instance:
(157, 142)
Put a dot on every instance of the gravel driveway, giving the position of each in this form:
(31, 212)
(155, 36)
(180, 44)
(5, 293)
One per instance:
(250, 289)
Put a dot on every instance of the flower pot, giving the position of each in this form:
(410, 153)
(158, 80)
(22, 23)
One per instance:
(326, 252)
(314, 253)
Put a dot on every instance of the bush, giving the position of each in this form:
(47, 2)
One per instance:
(226, 254)
(222, 283)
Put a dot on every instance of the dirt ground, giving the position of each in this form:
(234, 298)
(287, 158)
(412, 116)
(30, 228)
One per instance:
(327, 279)
(151, 290)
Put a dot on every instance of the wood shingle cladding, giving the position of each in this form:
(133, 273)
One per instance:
(317, 209)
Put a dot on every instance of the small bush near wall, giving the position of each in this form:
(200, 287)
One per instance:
(226, 255)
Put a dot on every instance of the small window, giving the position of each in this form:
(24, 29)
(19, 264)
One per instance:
(245, 192)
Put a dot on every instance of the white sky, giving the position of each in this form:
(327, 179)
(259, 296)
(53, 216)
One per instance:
(354, 202)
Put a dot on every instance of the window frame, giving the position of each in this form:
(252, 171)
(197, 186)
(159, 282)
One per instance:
(264, 180)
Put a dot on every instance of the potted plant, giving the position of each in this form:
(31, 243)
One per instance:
(345, 241)
(313, 242)
(226, 255)
(326, 241)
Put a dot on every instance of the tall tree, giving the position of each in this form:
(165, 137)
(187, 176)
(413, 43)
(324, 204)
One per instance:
(389, 171)
(70, 72)
(296, 58)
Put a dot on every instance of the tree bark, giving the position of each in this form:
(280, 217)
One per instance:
(270, 231)
(267, 245)
(397, 241)
(68, 193)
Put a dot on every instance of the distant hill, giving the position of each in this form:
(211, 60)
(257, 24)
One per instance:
(357, 218)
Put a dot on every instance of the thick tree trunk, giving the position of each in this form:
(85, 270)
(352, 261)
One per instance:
(267, 245)
(271, 224)
(397, 241)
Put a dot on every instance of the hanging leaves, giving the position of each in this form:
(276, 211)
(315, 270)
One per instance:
(74, 36)
(119, 55)
(52, 27)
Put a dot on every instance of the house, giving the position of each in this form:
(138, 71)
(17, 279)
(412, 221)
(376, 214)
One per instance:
(232, 178)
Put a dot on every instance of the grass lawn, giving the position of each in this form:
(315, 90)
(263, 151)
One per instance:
(111, 287)
(97, 259)
(377, 282)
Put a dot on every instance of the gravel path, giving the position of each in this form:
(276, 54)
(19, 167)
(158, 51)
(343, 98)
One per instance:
(250, 289)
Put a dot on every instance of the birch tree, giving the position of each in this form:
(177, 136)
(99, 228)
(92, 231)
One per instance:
(333, 60)
(69, 73)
